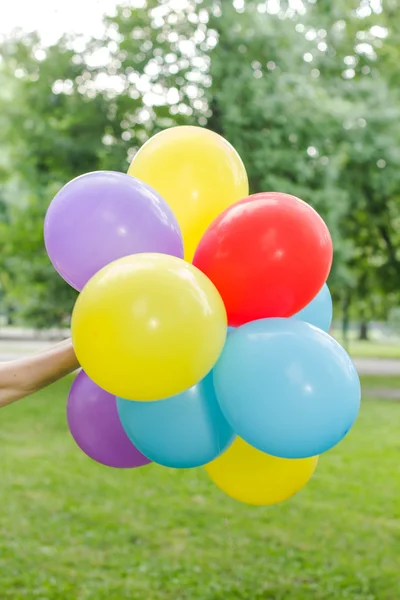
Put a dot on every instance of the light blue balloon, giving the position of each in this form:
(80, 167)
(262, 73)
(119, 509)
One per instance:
(287, 388)
(319, 311)
(187, 430)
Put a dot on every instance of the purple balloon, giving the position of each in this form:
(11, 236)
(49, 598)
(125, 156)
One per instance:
(95, 426)
(102, 216)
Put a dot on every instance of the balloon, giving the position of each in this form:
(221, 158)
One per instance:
(268, 256)
(252, 477)
(100, 217)
(185, 431)
(319, 311)
(197, 172)
(148, 326)
(95, 426)
(287, 388)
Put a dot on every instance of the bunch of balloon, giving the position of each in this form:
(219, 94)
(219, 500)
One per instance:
(147, 324)
(215, 356)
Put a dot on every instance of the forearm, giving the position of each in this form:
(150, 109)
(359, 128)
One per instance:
(26, 376)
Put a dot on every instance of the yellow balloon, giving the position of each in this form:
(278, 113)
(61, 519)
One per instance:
(252, 477)
(148, 326)
(197, 172)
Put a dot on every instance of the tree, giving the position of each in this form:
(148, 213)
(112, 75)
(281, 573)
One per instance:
(298, 91)
(74, 108)
(52, 133)
(362, 41)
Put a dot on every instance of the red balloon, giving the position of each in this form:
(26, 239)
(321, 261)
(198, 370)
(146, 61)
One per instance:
(268, 255)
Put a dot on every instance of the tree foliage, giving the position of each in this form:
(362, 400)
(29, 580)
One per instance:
(306, 92)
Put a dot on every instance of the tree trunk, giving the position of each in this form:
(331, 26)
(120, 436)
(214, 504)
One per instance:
(364, 331)
(10, 314)
(346, 318)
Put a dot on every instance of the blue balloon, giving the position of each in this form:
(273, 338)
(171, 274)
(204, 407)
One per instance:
(319, 311)
(287, 388)
(187, 430)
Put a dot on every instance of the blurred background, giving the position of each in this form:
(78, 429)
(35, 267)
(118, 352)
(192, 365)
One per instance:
(308, 93)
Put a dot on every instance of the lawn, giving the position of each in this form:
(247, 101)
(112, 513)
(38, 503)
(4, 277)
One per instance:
(73, 530)
(372, 349)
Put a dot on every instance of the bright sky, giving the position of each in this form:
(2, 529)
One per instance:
(52, 18)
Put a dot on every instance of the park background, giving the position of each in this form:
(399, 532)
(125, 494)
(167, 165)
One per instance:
(308, 93)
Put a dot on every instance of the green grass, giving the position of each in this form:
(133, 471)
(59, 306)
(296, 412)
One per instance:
(379, 382)
(372, 349)
(73, 530)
